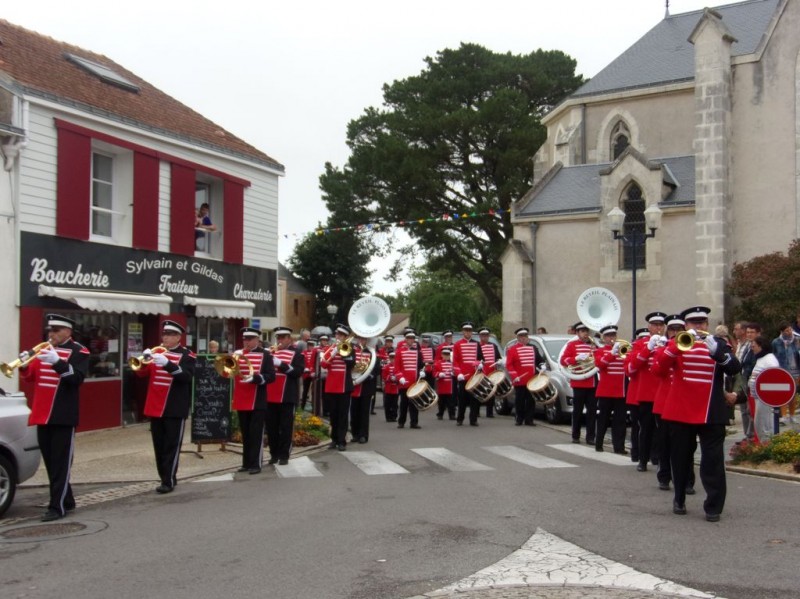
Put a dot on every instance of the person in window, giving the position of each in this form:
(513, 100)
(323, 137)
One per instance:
(202, 223)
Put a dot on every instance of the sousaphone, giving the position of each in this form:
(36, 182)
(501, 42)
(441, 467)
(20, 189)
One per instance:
(368, 317)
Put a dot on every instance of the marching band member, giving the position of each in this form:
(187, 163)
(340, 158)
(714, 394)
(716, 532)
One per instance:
(583, 391)
(610, 391)
(282, 394)
(447, 341)
(57, 374)
(426, 349)
(646, 390)
(390, 388)
(409, 368)
(467, 359)
(250, 398)
(696, 407)
(309, 357)
(386, 348)
(443, 372)
(169, 397)
(631, 393)
(338, 386)
(324, 344)
(492, 360)
(522, 364)
(363, 394)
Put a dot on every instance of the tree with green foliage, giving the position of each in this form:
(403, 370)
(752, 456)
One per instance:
(456, 139)
(333, 266)
(766, 289)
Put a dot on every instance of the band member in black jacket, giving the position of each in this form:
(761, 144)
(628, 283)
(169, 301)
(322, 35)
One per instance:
(282, 395)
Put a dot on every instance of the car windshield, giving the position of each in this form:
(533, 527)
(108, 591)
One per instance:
(553, 346)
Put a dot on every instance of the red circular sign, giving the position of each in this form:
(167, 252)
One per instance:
(775, 387)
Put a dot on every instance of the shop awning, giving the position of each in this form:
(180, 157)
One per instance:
(109, 301)
(214, 308)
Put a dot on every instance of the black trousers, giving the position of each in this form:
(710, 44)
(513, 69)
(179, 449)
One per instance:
(360, 407)
(390, 406)
(466, 399)
(306, 388)
(407, 409)
(280, 427)
(647, 426)
(339, 406)
(584, 398)
(523, 405)
(633, 409)
(612, 409)
(251, 423)
(712, 462)
(167, 436)
(446, 404)
(664, 446)
(57, 444)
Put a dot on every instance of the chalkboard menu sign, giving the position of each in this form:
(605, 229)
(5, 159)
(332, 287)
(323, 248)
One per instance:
(211, 403)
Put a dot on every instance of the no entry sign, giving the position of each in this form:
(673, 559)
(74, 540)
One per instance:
(775, 387)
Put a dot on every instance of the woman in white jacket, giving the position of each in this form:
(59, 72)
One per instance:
(764, 420)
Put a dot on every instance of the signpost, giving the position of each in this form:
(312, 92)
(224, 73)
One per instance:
(775, 387)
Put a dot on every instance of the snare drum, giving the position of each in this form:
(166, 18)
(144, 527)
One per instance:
(480, 387)
(501, 382)
(542, 389)
(422, 395)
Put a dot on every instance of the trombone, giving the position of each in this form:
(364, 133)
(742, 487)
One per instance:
(8, 368)
(685, 340)
(136, 363)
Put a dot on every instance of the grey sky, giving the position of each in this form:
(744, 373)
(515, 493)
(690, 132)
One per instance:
(288, 76)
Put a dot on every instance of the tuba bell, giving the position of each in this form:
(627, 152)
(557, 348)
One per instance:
(368, 317)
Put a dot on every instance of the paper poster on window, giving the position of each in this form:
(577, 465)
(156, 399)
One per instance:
(135, 346)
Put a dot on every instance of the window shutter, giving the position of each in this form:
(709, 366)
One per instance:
(73, 184)
(233, 223)
(182, 211)
(145, 201)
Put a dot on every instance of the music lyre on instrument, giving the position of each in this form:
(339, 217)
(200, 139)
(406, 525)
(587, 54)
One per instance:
(9, 368)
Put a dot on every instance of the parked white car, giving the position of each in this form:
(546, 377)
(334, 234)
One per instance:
(19, 448)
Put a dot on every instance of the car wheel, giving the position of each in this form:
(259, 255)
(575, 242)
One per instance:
(554, 414)
(502, 406)
(8, 484)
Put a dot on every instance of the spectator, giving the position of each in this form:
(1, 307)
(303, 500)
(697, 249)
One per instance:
(302, 343)
(764, 358)
(213, 347)
(786, 348)
(730, 396)
(541, 331)
(202, 223)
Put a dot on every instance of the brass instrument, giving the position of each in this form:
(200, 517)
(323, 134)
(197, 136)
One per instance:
(227, 365)
(624, 347)
(136, 363)
(8, 369)
(685, 340)
(345, 348)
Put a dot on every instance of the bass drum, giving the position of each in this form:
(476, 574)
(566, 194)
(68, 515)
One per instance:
(501, 382)
(422, 395)
(480, 387)
(542, 389)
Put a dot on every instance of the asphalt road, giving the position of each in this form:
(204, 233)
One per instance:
(347, 534)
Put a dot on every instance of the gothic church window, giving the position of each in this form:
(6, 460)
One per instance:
(633, 205)
(620, 139)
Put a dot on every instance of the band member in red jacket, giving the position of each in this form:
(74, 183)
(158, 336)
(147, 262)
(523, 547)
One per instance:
(338, 386)
(57, 374)
(492, 360)
(583, 391)
(250, 397)
(409, 368)
(169, 397)
(390, 388)
(309, 357)
(467, 358)
(522, 363)
(696, 407)
(610, 391)
(428, 357)
(447, 341)
(282, 394)
(443, 373)
(363, 395)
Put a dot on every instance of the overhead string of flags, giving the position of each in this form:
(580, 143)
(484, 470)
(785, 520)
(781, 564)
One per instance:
(384, 226)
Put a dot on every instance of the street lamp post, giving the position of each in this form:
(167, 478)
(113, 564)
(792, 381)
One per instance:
(634, 239)
(332, 310)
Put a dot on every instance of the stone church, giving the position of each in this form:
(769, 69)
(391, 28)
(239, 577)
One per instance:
(701, 118)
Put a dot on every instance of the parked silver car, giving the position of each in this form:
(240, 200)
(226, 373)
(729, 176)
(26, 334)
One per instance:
(560, 411)
(19, 448)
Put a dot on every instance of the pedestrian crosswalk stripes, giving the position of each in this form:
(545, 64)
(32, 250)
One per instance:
(529, 458)
(590, 453)
(298, 468)
(450, 460)
(372, 463)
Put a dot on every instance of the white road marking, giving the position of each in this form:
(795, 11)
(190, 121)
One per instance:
(547, 560)
(529, 458)
(450, 460)
(371, 462)
(607, 457)
(222, 478)
(298, 468)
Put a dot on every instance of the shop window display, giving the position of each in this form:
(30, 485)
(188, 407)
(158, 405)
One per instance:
(100, 334)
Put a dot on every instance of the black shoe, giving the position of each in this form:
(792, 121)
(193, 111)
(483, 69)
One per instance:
(678, 508)
(362, 440)
(663, 486)
(517, 424)
(372, 413)
(654, 461)
(690, 491)
(283, 462)
(634, 458)
(459, 423)
(621, 452)
(69, 507)
(401, 426)
(415, 426)
(451, 417)
(576, 440)
(51, 515)
(641, 467)
(439, 417)
(490, 415)
(255, 470)
(590, 441)
(391, 420)
(473, 424)
(599, 448)
(243, 469)
(531, 423)
(341, 447)
(273, 460)
(332, 445)
(163, 489)
(712, 517)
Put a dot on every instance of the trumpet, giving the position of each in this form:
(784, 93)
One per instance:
(8, 369)
(137, 363)
(624, 347)
(227, 365)
(685, 340)
(345, 348)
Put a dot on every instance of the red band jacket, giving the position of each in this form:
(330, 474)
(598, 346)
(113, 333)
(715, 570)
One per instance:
(407, 364)
(252, 395)
(285, 388)
(466, 357)
(339, 380)
(612, 373)
(569, 358)
(641, 367)
(443, 373)
(56, 387)
(389, 379)
(522, 363)
(169, 392)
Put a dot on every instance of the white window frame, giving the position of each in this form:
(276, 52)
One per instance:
(121, 194)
